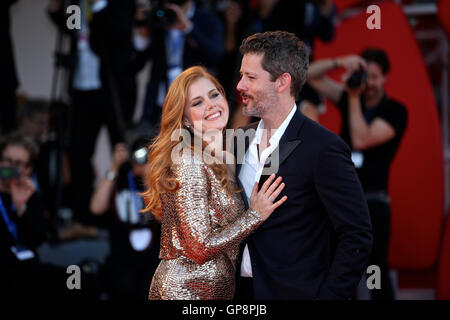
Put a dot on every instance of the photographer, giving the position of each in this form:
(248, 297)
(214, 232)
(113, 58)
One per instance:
(134, 237)
(373, 125)
(22, 223)
(179, 34)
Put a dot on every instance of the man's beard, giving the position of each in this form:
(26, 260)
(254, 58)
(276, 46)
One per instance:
(373, 93)
(260, 105)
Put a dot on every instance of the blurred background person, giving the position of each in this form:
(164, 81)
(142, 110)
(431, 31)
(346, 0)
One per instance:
(373, 125)
(134, 237)
(235, 15)
(9, 81)
(34, 122)
(102, 91)
(23, 228)
(174, 35)
(306, 19)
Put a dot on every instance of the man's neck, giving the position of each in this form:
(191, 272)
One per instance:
(373, 101)
(277, 115)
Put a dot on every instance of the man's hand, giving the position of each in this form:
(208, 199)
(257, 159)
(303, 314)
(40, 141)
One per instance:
(351, 63)
(21, 191)
(182, 22)
(120, 156)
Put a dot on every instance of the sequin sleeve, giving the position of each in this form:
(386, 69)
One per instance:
(197, 239)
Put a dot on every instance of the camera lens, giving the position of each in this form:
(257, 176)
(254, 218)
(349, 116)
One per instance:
(161, 17)
(356, 79)
(140, 156)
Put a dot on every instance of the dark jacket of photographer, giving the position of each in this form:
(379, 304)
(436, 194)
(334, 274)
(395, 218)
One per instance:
(30, 228)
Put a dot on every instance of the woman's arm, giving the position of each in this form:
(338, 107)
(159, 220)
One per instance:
(192, 224)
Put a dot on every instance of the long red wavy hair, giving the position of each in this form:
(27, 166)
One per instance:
(159, 178)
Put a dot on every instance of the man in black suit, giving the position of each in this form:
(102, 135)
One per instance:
(317, 245)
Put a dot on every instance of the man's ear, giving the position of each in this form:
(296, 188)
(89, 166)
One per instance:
(283, 82)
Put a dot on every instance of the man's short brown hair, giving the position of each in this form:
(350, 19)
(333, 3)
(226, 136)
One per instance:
(283, 53)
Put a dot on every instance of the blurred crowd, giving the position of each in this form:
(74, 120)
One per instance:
(47, 147)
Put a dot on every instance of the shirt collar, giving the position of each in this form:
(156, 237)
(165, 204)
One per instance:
(278, 133)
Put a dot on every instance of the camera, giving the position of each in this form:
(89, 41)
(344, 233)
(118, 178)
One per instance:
(9, 173)
(356, 79)
(139, 156)
(161, 17)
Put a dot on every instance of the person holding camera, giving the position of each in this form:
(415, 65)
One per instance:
(22, 223)
(373, 125)
(180, 34)
(134, 238)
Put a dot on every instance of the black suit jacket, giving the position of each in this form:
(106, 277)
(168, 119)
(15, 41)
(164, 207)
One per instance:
(317, 244)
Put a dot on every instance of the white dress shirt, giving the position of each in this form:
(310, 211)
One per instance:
(252, 168)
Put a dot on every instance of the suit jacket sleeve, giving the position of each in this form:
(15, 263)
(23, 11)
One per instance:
(198, 240)
(339, 188)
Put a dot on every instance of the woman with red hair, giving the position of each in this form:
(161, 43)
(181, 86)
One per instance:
(194, 194)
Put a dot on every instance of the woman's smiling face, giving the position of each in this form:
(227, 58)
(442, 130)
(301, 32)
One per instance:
(206, 109)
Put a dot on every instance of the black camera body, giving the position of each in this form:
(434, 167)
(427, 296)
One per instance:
(356, 79)
(9, 173)
(161, 17)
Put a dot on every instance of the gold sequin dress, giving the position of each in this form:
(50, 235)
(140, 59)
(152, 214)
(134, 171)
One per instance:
(201, 228)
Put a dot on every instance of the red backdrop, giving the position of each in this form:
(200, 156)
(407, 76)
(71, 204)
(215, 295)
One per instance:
(416, 179)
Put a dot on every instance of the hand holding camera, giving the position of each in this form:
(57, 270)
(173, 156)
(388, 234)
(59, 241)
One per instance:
(21, 191)
(120, 156)
(165, 14)
(181, 21)
(355, 77)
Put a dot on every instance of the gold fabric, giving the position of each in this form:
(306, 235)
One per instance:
(202, 226)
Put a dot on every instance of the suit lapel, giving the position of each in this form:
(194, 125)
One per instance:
(288, 142)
